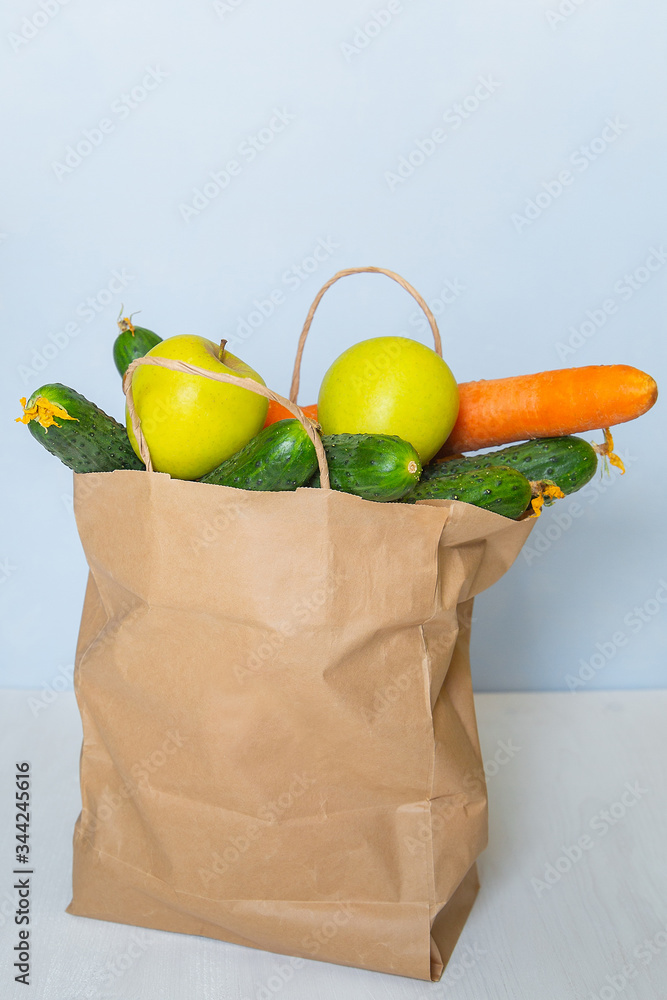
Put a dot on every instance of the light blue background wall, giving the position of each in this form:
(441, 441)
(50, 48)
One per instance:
(221, 72)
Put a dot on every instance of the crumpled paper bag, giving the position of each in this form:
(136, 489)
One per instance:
(280, 747)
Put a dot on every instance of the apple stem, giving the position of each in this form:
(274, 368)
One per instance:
(221, 352)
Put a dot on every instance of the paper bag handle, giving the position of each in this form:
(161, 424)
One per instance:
(244, 383)
(294, 390)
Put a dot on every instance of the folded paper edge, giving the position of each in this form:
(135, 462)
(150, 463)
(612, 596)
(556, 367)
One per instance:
(450, 920)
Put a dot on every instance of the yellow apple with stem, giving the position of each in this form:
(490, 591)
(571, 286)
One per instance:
(390, 385)
(192, 423)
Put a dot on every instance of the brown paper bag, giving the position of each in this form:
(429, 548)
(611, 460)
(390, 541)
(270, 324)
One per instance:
(280, 747)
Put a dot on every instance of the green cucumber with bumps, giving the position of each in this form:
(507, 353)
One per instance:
(280, 457)
(499, 489)
(570, 462)
(79, 433)
(131, 343)
(376, 467)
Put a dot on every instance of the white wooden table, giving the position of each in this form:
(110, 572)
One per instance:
(574, 883)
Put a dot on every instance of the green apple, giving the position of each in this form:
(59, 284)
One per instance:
(190, 422)
(390, 385)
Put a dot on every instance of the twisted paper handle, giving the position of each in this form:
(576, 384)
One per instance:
(244, 383)
(294, 391)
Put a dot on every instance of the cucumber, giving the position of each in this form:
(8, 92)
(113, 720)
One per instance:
(280, 457)
(131, 343)
(570, 462)
(499, 488)
(372, 466)
(77, 432)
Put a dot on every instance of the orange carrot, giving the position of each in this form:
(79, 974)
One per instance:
(549, 404)
(278, 412)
